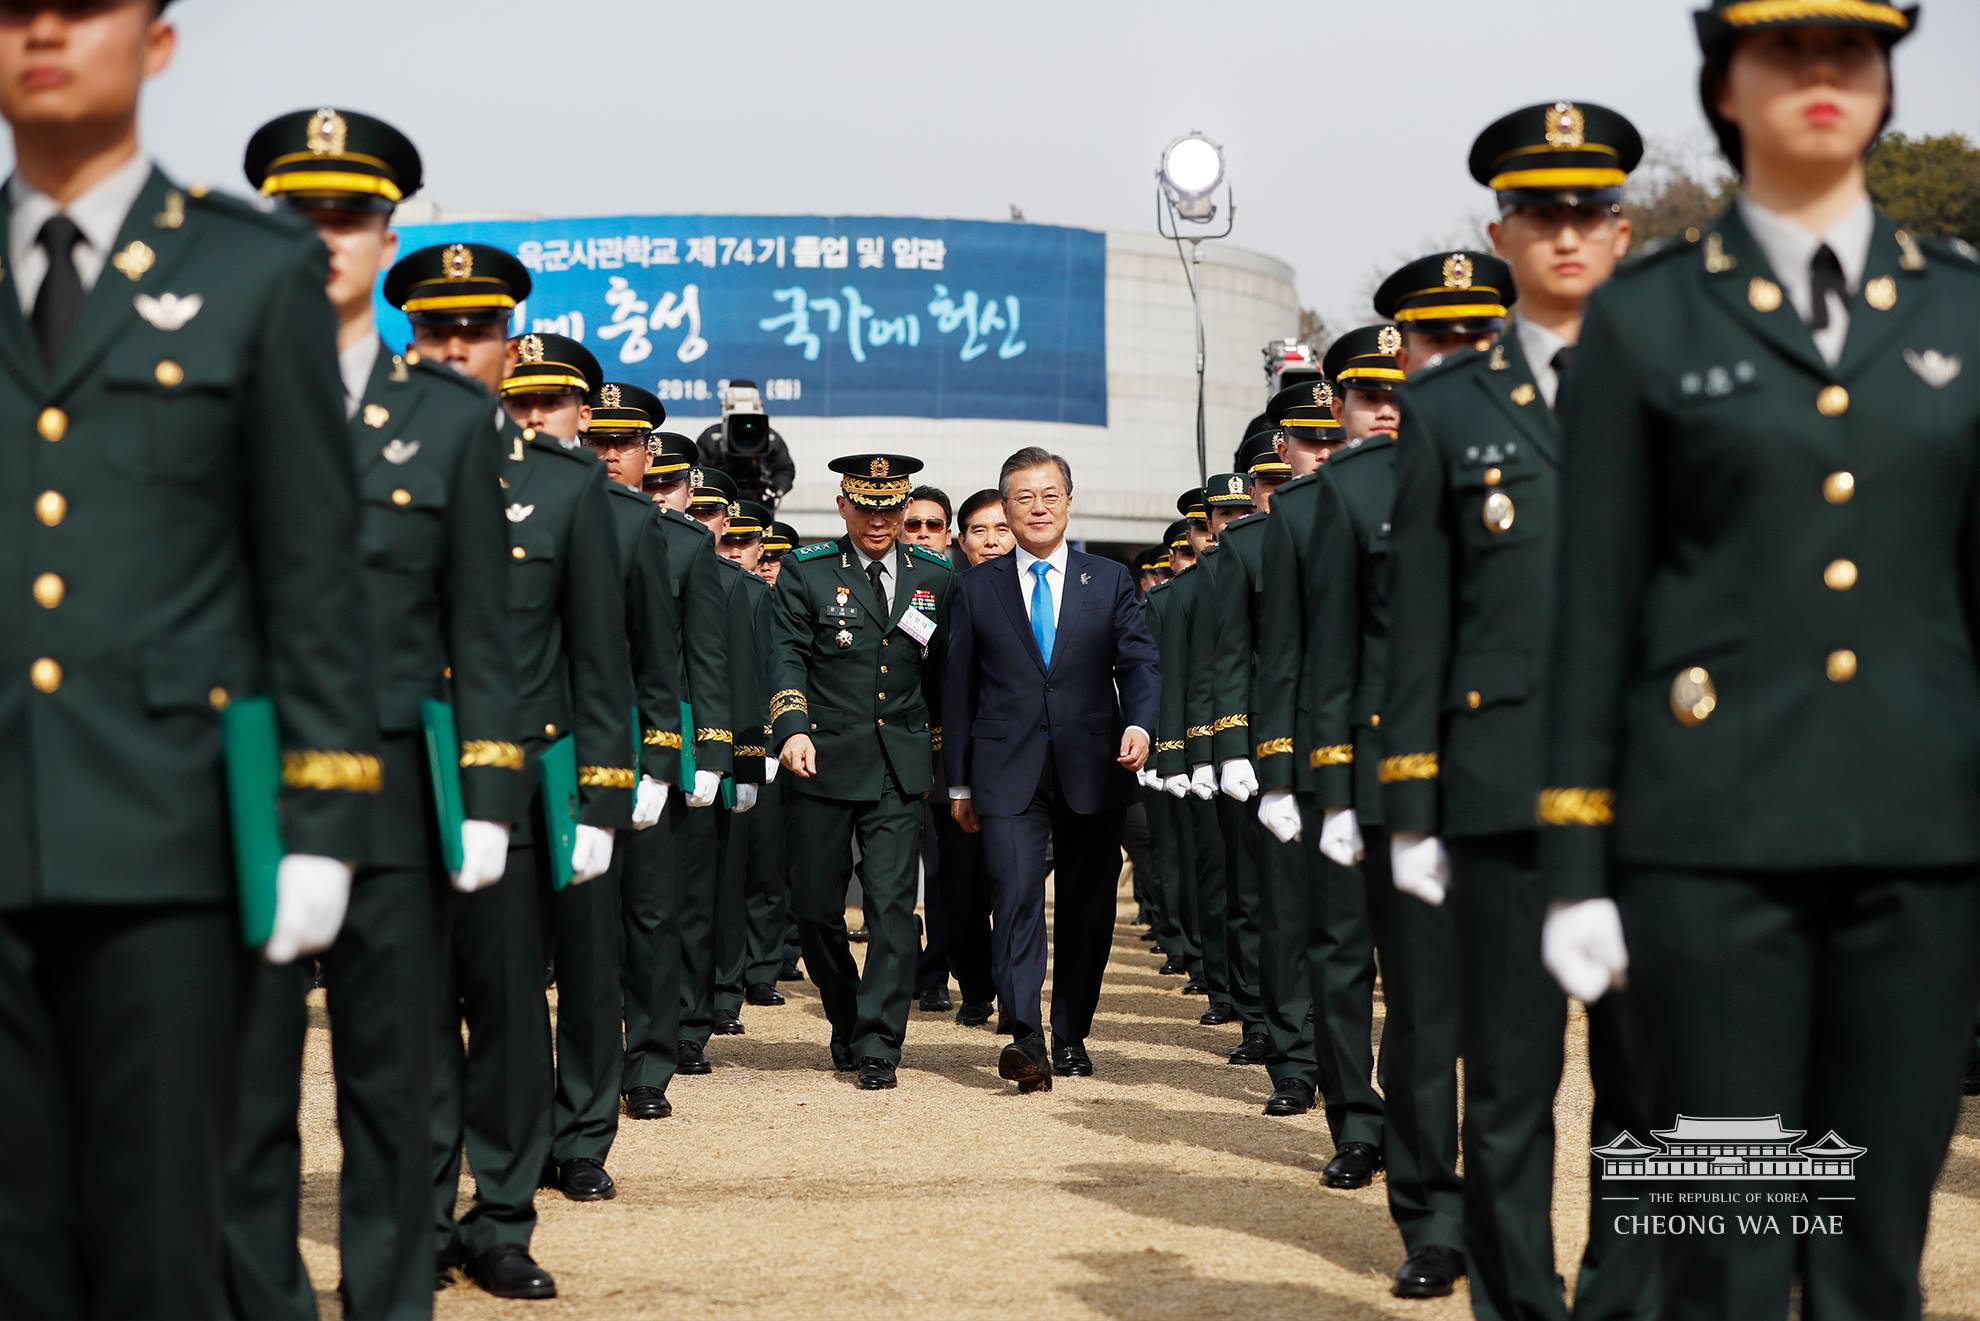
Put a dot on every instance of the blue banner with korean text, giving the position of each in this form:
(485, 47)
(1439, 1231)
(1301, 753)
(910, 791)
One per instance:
(831, 316)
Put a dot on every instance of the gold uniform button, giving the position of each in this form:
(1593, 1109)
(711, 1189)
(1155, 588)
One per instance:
(1840, 575)
(1375, 721)
(45, 675)
(217, 698)
(169, 373)
(1694, 697)
(412, 356)
(53, 424)
(1838, 488)
(883, 669)
(49, 589)
(1832, 402)
(517, 552)
(881, 697)
(1493, 476)
(1842, 666)
(529, 433)
(51, 507)
(401, 497)
(550, 731)
(1474, 699)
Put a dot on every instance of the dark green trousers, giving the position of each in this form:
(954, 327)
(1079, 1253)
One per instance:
(1212, 902)
(732, 914)
(1238, 825)
(702, 841)
(1139, 846)
(1841, 1001)
(766, 886)
(379, 981)
(493, 1098)
(119, 1046)
(1340, 960)
(1178, 943)
(591, 1049)
(650, 963)
(1285, 987)
(868, 1011)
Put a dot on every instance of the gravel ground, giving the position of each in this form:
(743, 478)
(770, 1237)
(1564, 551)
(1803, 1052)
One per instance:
(1153, 1189)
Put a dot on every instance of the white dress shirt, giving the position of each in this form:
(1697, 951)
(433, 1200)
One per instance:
(98, 213)
(354, 365)
(886, 563)
(1540, 344)
(1055, 579)
(1790, 249)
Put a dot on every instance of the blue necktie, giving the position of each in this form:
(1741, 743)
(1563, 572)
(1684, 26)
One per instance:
(1042, 627)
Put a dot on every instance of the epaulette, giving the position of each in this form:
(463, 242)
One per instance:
(729, 565)
(817, 550)
(1249, 520)
(1953, 251)
(1654, 254)
(427, 370)
(283, 220)
(1162, 586)
(625, 492)
(1305, 479)
(923, 552)
(1354, 451)
(1449, 363)
(549, 444)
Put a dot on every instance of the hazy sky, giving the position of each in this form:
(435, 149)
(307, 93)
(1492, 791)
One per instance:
(1346, 122)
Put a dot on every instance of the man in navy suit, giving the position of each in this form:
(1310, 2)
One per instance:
(1051, 689)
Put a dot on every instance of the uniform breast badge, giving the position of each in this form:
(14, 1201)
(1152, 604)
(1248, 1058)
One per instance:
(168, 311)
(844, 639)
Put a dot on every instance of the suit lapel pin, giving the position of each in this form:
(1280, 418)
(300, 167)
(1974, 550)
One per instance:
(1085, 578)
(376, 415)
(517, 513)
(401, 451)
(1936, 369)
(135, 260)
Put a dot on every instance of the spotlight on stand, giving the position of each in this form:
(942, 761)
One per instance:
(1186, 182)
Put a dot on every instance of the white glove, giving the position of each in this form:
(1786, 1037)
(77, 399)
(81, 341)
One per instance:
(649, 801)
(1420, 867)
(706, 785)
(1278, 812)
(1203, 782)
(311, 894)
(1237, 780)
(1177, 785)
(591, 853)
(484, 855)
(745, 798)
(1340, 836)
(770, 765)
(1581, 944)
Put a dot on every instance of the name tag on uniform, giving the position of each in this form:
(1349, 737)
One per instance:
(918, 626)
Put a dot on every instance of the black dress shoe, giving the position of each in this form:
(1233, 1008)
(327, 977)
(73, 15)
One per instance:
(937, 1001)
(1150, 936)
(583, 1179)
(1252, 1050)
(1023, 1062)
(1972, 1085)
(1170, 968)
(763, 993)
(1430, 1272)
(789, 972)
(692, 1060)
(509, 1272)
(1353, 1165)
(1070, 1060)
(727, 1025)
(875, 1075)
(1292, 1096)
(842, 1057)
(973, 1015)
(1195, 987)
(648, 1103)
(1218, 1014)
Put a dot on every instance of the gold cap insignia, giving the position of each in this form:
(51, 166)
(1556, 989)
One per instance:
(1390, 339)
(1565, 126)
(530, 349)
(609, 396)
(456, 262)
(1457, 271)
(327, 133)
(694, 477)
(1323, 395)
(653, 445)
(735, 509)
(878, 468)
(1235, 486)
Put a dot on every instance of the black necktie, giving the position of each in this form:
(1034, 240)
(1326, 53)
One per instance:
(60, 301)
(875, 574)
(1825, 277)
(1563, 358)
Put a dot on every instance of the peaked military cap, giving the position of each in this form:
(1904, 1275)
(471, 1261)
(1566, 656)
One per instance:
(669, 456)
(779, 538)
(1365, 359)
(711, 487)
(1562, 151)
(551, 364)
(1450, 293)
(1226, 490)
(876, 481)
(333, 158)
(1727, 19)
(747, 520)
(1178, 535)
(1306, 411)
(620, 411)
(1191, 505)
(1259, 455)
(457, 283)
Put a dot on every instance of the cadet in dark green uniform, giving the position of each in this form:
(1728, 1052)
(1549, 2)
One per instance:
(1228, 497)
(1148, 865)
(432, 538)
(741, 544)
(854, 672)
(767, 892)
(162, 330)
(662, 860)
(567, 608)
(1764, 709)
(1476, 512)
(1177, 934)
(1186, 707)
(1340, 953)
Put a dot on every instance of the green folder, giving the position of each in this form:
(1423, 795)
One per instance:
(251, 746)
(556, 770)
(443, 764)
